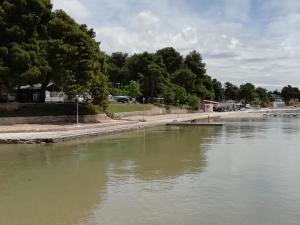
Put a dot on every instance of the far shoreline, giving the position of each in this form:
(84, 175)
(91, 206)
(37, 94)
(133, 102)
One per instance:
(43, 134)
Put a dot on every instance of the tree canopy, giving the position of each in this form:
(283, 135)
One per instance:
(166, 74)
(38, 45)
(289, 92)
(23, 36)
(231, 91)
(247, 92)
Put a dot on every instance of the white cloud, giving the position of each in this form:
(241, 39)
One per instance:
(237, 45)
(147, 19)
(237, 9)
(74, 7)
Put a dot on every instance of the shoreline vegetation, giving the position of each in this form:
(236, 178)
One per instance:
(42, 109)
(42, 134)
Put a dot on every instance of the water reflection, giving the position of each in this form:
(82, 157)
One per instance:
(62, 184)
(161, 155)
(246, 128)
(41, 186)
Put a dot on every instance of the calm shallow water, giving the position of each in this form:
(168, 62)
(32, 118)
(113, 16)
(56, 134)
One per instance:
(245, 173)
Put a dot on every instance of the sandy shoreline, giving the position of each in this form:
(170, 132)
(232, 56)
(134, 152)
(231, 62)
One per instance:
(36, 134)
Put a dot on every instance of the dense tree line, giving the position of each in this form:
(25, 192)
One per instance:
(248, 93)
(164, 74)
(38, 45)
(251, 94)
(289, 93)
(176, 78)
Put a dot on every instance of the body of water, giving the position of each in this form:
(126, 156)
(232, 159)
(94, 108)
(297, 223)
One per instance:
(245, 173)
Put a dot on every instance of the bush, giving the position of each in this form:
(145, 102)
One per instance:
(28, 110)
(180, 94)
(193, 102)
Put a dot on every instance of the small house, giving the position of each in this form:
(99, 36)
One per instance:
(228, 106)
(278, 103)
(32, 93)
(208, 105)
(28, 93)
(54, 94)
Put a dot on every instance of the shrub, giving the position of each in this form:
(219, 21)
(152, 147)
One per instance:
(193, 102)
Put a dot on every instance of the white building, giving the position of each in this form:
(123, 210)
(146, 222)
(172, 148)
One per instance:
(278, 103)
(55, 96)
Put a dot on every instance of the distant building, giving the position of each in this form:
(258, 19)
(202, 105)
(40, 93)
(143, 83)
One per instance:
(55, 96)
(32, 93)
(111, 98)
(208, 105)
(278, 103)
(28, 93)
(227, 106)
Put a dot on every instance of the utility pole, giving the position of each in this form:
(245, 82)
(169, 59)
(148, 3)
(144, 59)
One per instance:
(144, 109)
(77, 109)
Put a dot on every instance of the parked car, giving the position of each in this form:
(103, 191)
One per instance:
(122, 99)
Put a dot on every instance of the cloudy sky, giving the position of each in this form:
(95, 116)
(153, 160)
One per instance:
(240, 40)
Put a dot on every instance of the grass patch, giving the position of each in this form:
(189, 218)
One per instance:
(30, 110)
(124, 107)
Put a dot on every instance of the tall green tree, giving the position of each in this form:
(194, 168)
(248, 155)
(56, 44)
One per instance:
(247, 92)
(203, 86)
(116, 69)
(74, 57)
(171, 58)
(262, 94)
(185, 78)
(155, 81)
(218, 90)
(231, 92)
(289, 92)
(133, 89)
(23, 33)
(41, 46)
(137, 65)
(203, 93)
(194, 62)
(150, 71)
(180, 95)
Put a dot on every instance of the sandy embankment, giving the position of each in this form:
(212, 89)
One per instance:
(55, 133)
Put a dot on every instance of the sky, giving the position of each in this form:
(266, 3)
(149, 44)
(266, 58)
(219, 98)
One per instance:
(241, 41)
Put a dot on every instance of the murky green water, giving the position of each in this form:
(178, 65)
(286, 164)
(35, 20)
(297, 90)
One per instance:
(244, 173)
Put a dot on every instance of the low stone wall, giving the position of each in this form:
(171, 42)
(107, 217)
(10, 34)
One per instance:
(51, 119)
(153, 111)
(179, 111)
